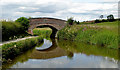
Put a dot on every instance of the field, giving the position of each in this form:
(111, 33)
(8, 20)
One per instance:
(102, 34)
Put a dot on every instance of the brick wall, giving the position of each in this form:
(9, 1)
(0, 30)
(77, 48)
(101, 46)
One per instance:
(57, 23)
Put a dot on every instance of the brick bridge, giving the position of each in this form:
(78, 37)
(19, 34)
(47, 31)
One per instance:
(53, 23)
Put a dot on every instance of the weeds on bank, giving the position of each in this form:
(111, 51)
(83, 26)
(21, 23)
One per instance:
(9, 51)
(91, 35)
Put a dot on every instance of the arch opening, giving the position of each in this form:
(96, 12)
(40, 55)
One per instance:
(54, 30)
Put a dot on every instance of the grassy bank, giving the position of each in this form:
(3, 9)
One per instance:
(11, 50)
(46, 32)
(101, 34)
(12, 30)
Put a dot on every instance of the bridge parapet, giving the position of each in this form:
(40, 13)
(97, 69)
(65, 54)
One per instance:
(48, 21)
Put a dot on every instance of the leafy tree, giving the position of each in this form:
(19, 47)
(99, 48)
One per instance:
(70, 21)
(97, 21)
(110, 17)
(76, 22)
(24, 21)
(101, 16)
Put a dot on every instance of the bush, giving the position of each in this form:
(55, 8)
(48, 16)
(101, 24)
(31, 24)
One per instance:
(110, 18)
(24, 22)
(76, 22)
(10, 29)
(97, 21)
(11, 50)
(95, 36)
(70, 21)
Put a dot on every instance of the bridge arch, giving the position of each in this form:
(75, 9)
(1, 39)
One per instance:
(53, 23)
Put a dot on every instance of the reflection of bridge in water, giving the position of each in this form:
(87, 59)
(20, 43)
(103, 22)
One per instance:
(51, 52)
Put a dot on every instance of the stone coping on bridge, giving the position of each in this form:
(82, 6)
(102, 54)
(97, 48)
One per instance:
(47, 18)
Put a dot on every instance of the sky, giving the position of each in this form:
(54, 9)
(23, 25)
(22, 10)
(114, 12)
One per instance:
(80, 10)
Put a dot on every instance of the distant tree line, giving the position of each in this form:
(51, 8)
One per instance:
(110, 18)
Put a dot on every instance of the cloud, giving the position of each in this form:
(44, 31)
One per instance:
(79, 9)
(43, 8)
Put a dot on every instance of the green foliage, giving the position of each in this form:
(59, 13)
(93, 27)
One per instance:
(24, 21)
(76, 22)
(110, 18)
(91, 35)
(11, 50)
(42, 32)
(101, 16)
(97, 21)
(70, 21)
(11, 29)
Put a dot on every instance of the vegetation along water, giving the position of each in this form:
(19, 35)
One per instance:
(89, 44)
(103, 34)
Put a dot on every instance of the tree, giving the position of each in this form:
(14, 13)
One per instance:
(78, 22)
(101, 16)
(97, 21)
(24, 22)
(70, 21)
(110, 17)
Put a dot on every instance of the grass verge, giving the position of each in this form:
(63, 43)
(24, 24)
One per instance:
(94, 35)
(11, 50)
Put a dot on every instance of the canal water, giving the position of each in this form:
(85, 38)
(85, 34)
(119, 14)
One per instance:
(66, 54)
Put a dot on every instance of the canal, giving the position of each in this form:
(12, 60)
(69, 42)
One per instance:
(65, 54)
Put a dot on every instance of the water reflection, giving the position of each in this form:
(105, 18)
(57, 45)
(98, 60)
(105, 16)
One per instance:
(66, 54)
(46, 45)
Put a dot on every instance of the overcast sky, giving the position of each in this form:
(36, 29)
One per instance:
(81, 10)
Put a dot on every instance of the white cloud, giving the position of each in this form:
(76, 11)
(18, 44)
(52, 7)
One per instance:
(79, 9)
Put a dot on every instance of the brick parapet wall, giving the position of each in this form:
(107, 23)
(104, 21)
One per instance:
(57, 23)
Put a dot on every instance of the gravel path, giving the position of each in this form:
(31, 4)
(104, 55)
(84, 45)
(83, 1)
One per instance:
(19, 39)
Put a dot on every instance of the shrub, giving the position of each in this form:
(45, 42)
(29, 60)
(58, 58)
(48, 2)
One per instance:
(110, 18)
(11, 50)
(70, 21)
(10, 29)
(86, 34)
(97, 21)
(76, 22)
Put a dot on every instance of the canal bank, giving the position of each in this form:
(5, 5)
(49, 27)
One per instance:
(103, 34)
(65, 54)
(15, 48)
